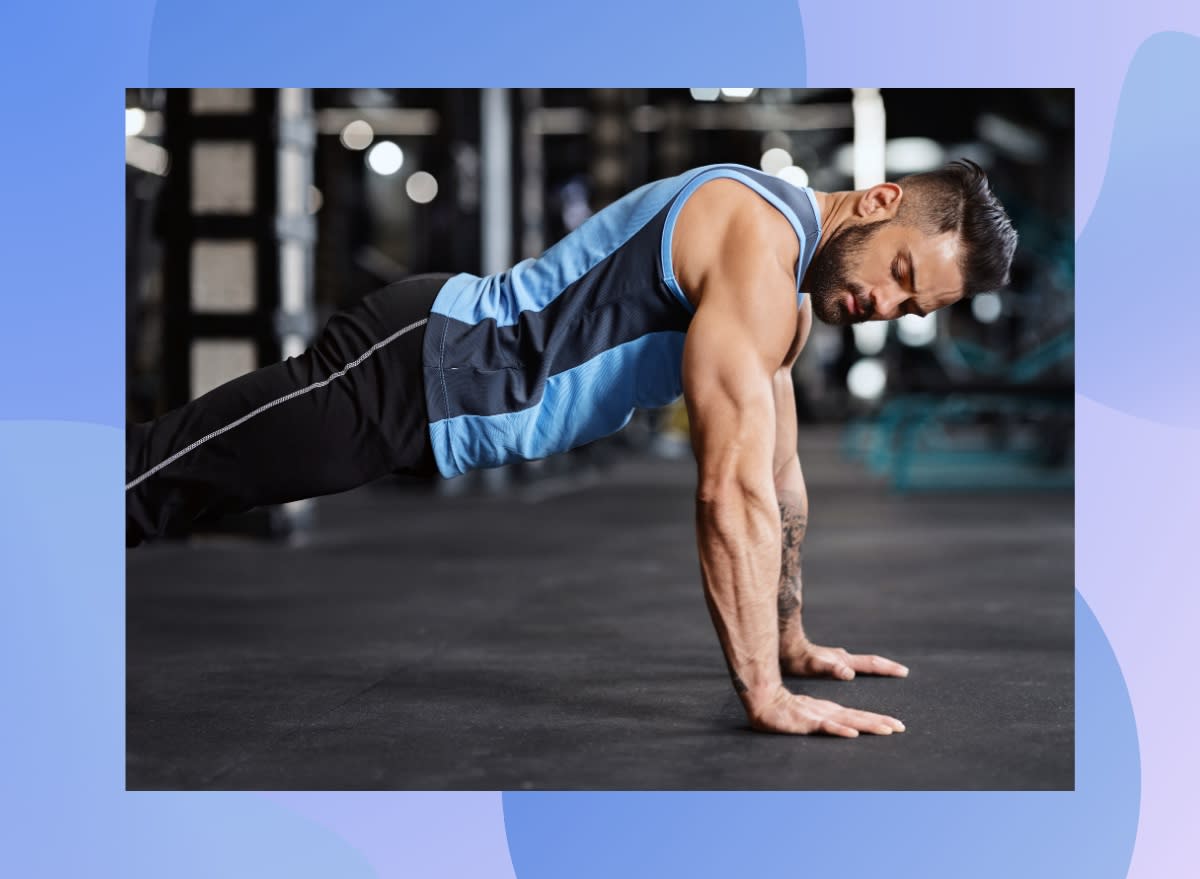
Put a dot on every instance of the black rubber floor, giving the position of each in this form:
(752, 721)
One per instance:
(556, 637)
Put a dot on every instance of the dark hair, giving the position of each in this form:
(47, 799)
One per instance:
(958, 198)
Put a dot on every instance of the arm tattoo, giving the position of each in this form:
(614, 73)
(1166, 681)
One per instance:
(739, 686)
(794, 522)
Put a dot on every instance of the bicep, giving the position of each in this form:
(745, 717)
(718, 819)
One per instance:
(788, 476)
(731, 355)
(741, 333)
(727, 389)
(785, 420)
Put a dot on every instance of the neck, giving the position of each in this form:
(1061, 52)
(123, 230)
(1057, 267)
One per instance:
(836, 209)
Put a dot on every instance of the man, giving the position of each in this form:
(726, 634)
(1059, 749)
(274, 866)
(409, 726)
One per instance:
(695, 284)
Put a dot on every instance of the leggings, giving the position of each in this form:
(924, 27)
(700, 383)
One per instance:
(348, 410)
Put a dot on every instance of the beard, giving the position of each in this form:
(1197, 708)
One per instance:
(827, 280)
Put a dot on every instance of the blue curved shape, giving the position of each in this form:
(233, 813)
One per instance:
(537, 42)
(1088, 832)
(64, 810)
(1137, 275)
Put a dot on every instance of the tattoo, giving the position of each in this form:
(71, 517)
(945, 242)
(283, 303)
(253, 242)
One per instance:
(794, 520)
(739, 685)
(789, 604)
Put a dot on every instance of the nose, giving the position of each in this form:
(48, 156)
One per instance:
(886, 304)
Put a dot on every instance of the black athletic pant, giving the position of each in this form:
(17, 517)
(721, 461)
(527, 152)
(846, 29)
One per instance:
(348, 410)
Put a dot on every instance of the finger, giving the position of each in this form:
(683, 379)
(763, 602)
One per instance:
(877, 665)
(868, 721)
(834, 666)
(833, 728)
(874, 725)
(865, 721)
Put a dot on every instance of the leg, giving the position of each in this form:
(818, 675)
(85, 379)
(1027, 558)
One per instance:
(348, 410)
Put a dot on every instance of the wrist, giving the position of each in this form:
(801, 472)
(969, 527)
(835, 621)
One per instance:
(755, 679)
(761, 695)
(793, 646)
(762, 702)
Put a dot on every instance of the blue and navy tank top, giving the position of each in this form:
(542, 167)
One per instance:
(560, 350)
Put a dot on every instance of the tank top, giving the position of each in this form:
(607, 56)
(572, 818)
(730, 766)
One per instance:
(560, 350)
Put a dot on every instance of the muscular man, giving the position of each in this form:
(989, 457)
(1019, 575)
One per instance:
(705, 284)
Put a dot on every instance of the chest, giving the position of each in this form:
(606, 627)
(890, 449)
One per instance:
(803, 327)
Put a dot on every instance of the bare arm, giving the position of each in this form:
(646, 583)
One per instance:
(798, 655)
(727, 386)
(739, 338)
(792, 495)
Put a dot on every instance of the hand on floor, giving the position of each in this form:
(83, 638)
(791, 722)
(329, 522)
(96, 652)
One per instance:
(814, 661)
(784, 712)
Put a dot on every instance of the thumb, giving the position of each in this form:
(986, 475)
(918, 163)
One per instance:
(836, 668)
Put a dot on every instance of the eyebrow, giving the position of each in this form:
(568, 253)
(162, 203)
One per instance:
(912, 280)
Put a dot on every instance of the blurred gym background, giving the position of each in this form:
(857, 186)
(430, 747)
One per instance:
(254, 214)
(541, 625)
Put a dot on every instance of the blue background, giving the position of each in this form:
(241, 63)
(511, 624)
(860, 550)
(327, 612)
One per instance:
(65, 65)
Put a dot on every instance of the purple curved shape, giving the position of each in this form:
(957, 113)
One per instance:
(1137, 266)
(901, 835)
(1022, 43)
(433, 833)
(1138, 484)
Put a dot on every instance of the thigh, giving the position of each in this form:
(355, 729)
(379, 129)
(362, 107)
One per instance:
(349, 409)
(374, 348)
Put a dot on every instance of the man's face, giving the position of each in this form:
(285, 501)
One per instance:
(881, 271)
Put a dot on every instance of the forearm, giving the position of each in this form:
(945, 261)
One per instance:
(793, 518)
(739, 541)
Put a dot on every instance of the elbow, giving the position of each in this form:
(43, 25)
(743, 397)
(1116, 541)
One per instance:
(721, 498)
(716, 494)
(735, 478)
(736, 515)
(737, 473)
(718, 486)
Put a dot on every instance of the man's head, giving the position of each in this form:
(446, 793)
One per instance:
(913, 246)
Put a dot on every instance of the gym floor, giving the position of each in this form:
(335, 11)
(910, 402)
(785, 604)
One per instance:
(555, 636)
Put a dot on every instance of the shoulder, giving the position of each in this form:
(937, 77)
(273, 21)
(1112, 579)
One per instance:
(727, 235)
(735, 210)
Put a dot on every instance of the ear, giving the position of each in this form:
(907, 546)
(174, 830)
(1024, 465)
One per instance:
(880, 202)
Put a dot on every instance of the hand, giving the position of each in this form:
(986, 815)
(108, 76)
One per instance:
(779, 711)
(813, 661)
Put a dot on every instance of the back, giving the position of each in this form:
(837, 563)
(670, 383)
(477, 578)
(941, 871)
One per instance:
(560, 350)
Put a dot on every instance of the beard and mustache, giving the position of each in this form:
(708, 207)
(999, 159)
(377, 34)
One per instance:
(827, 279)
